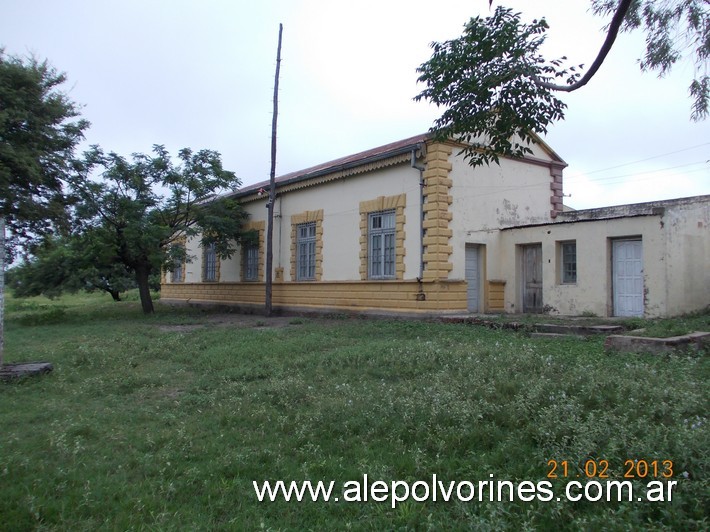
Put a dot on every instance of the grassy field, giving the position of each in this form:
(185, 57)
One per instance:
(163, 422)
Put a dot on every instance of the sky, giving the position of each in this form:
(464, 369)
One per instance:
(200, 74)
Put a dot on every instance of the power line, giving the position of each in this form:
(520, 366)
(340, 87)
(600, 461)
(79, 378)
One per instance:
(639, 177)
(635, 174)
(580, 175)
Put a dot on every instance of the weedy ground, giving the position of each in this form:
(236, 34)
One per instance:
(163, 422)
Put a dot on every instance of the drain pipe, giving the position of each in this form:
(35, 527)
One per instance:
(280, 227)
(421, 168)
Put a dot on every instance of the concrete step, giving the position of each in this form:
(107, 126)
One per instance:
(696, 341)
(578, 330)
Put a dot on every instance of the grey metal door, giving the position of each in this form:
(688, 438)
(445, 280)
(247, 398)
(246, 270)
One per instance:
(473, 279)
(627, 277)
(532, 278)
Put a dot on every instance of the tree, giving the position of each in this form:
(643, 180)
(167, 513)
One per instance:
(498, 89)
(666, 42)
(139, 210)
(70, 264)
(37, 141)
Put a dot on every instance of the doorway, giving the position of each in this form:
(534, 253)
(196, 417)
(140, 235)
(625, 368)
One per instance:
(532, 278)
(473, 277)
(627, 277)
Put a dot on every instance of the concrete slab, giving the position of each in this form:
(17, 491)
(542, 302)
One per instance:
(560, 328)
(696, 341)
(9, 372)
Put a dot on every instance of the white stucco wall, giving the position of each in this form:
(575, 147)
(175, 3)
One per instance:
(488, 198)
(340, 201)
(230, 269)
(687, 227)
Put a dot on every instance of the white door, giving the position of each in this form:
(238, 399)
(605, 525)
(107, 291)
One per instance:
(473, 278)
(627, 272)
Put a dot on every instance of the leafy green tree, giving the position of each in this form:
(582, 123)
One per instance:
(70, 264)
(674, 29)
(497, 88)
(37, 140)
(139, 210)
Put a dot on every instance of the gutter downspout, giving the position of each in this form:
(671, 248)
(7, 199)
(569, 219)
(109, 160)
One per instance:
(280, 228)
(421, 169)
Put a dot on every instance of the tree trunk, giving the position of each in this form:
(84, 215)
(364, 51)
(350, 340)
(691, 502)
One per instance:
(142, 275)
(2, 288)
(115, 294)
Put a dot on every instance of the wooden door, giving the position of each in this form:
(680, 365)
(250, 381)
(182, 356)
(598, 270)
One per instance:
(532, 278)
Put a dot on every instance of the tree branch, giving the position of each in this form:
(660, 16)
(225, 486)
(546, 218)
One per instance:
(613, 31)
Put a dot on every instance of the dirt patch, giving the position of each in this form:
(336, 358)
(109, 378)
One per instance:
(234, 320)
(250, 320)
(180, 328)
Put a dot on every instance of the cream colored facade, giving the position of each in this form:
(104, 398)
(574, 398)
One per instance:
(452, 227)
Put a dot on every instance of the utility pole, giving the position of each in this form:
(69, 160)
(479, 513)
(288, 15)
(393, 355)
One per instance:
(2, 288)
(272, 187)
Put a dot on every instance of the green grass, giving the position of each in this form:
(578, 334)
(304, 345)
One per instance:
(147, 425)
(664, 328)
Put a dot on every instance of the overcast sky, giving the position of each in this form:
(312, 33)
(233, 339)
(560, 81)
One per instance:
(200, 74)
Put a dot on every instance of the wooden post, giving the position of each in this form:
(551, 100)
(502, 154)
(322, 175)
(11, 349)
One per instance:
(2, 288)
(272, 187)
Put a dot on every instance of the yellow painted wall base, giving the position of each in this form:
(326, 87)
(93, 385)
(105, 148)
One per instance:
(360, 296)
(496, 296)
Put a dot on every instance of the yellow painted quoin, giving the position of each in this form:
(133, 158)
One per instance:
(437, 216)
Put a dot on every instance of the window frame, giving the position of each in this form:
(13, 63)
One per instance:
(177, 275)
(306, 242)
(210, 263)
(250, 263)
(382, 245)
(568, 262)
